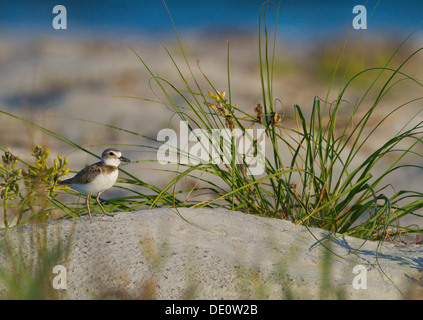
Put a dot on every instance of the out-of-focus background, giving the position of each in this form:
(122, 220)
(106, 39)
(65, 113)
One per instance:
(84, 71)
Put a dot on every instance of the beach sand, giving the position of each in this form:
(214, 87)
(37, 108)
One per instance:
(220, 254)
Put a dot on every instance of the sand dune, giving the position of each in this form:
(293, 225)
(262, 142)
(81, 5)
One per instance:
(220, 254)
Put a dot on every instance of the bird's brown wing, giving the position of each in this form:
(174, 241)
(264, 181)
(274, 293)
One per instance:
(86, 175)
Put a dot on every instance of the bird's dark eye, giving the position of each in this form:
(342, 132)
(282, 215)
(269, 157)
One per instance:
(111, 153)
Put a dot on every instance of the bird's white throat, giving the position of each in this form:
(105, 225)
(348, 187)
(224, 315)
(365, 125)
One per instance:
(112, 160)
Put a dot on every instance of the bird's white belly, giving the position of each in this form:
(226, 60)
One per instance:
(101, 183)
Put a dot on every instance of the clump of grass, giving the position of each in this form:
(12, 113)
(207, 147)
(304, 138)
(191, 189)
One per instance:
(28, 190)
(26, 271)
(322, 184)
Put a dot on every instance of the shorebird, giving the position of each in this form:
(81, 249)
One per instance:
(98, 177)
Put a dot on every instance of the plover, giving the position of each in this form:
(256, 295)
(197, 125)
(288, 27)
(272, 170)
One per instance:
(98, 177)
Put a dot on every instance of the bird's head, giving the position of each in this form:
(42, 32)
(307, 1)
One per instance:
(113, 157)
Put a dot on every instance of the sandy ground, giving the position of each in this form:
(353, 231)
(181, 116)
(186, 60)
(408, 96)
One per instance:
(220, 254)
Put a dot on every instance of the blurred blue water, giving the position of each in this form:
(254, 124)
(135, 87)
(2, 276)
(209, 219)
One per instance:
(306, 19)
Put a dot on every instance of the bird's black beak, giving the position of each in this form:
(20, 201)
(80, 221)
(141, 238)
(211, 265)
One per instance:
(123, 159)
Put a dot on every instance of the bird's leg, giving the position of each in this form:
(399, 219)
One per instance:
(88, 205)
(104, 211)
